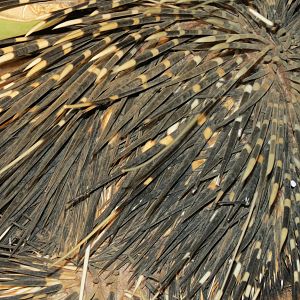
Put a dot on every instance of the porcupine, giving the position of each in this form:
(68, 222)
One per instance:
(185, 114)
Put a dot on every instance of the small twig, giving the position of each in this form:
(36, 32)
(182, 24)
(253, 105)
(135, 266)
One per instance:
(84, 271)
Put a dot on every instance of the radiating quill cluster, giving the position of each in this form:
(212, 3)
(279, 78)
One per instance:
(165, 136)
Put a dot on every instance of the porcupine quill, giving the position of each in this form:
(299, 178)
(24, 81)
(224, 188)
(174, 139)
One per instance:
(163, 136)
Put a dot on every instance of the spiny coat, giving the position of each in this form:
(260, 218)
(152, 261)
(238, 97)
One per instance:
(165, 135)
